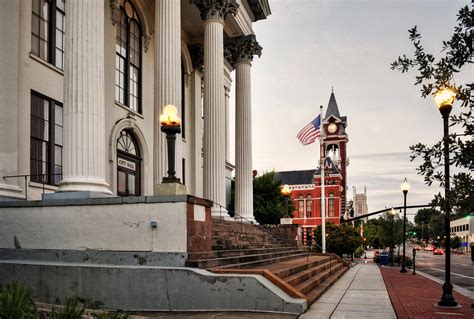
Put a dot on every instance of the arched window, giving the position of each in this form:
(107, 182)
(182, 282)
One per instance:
(128, 58)
(300, 205)
(309, 206)
(128, 165)
(331, 205)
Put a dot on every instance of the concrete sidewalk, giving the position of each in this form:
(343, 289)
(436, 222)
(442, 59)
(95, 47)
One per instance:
(360, 293)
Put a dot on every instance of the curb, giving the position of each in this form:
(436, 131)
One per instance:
(463, 291)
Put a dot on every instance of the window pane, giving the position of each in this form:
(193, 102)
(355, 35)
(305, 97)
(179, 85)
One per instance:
(36, 6)
(61, 5)
(121, 182)
(44, 10)
(43, 30)
(58, 114)
(34, 45)
(57, 178)
(58, 135)
(131, 184)
(43, 50)
(58, 155)
(35, 29)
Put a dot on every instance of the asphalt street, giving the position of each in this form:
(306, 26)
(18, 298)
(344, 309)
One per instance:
(462, 268)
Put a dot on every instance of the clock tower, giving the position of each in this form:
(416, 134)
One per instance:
(334, 144)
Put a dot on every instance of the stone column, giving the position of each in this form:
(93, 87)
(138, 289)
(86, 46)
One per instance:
(9, 24)
(246, 47)
(84, 99)
(167, 79)
(214, 12)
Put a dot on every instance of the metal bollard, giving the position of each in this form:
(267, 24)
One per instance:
(414, 256)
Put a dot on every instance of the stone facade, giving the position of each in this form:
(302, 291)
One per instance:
(174, 54)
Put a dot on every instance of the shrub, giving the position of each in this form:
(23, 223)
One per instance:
(16, 302)
(110, 315)
(73, 309)
(359, 252)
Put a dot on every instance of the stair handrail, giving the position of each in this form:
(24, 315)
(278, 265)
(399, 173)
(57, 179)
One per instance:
(250, 222)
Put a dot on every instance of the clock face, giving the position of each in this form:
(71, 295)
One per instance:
(332, 128)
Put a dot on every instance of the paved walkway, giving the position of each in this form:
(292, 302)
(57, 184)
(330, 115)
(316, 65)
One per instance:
(415, 296)
(360, 293)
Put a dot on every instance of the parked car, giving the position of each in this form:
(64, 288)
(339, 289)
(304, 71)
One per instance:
(429, 248)
(438, 251)
(417, 247)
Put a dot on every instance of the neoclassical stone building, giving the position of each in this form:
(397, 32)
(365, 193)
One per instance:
(82, 85)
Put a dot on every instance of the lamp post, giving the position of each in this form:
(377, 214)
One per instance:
(285, 191)
(170, 125)
(444, 98)
(405, 188)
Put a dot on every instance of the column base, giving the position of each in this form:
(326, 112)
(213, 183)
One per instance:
(167, 189)
(11, 193)
(86, 185)
(51, 197)
(220, 212)
(246, 220)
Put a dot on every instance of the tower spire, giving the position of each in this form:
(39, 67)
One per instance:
(332, 106)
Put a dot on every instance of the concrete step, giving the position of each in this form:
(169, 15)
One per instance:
(223, 246)
(314, 271)
(238, 252)
(306, 286)
(262, 262)
(324, 286)
(234, 260)
(284, 270)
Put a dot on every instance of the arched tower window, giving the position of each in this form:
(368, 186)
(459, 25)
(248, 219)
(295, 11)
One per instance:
(128, 58)
(300, 205)
(128, 165)
(309, 206)
(331, 205)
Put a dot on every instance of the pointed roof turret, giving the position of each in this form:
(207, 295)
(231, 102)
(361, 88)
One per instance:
(332, 107)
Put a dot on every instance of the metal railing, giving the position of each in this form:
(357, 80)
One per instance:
(25, 176)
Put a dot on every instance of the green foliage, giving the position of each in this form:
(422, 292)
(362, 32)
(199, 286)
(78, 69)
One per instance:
(431, 76)
(359, 252)
(73, 309)
(429, 224)
(268, 202)
(340, 239)
(456, 242)
(385, 231)
(110, 315)
(16, 302)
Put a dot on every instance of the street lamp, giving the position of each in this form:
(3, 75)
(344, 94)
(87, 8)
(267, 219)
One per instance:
(285, 191)
(170, 125)
(444, 98)
(405, 188)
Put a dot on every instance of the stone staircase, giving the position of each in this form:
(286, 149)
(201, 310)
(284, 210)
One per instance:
(248, 249)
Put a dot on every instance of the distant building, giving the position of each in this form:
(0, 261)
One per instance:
(305, 185)
(360, 203)
(464, 229)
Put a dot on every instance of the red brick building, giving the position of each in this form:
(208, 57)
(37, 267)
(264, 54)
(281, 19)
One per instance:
(305, 185)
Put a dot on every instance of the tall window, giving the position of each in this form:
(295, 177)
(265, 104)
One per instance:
(128, 165)
(47, 31)
(128, 58)
(300, 205)
(331, 205)
(46, 142)
(309, 205)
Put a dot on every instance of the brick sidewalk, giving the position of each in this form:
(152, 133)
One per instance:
(414, 296)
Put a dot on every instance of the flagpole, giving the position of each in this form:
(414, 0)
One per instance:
(323, 206)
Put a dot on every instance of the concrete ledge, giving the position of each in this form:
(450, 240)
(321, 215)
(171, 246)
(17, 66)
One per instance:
(148, 288)
(81, 200)
(99, 257)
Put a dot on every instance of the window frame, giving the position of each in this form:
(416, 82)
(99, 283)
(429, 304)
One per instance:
(309, 205)
(301, 201)
(331, 205)
(128, 63)
(137, 159)
(49, 177)
(50, 56)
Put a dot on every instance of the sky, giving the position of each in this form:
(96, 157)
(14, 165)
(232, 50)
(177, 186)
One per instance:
(310, 46)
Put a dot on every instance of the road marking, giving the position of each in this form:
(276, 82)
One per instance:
(465, 265)
(453, 273)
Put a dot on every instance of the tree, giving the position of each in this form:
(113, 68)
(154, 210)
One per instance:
(423, 219)
(432, 75)
(268, 202)
(456, 242)
(436, 227)
(340, 239)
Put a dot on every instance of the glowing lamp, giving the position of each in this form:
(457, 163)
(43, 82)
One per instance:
(444, 97)
(405, 186)
(170, 116)
(285, 190)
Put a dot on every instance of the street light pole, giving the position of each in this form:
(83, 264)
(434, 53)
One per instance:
(405, 187)
(445, 98)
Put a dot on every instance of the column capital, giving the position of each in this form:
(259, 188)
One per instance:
(216, 9)
(197, 56)
(242, 49)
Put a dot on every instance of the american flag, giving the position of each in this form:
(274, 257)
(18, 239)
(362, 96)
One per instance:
(310, 132)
